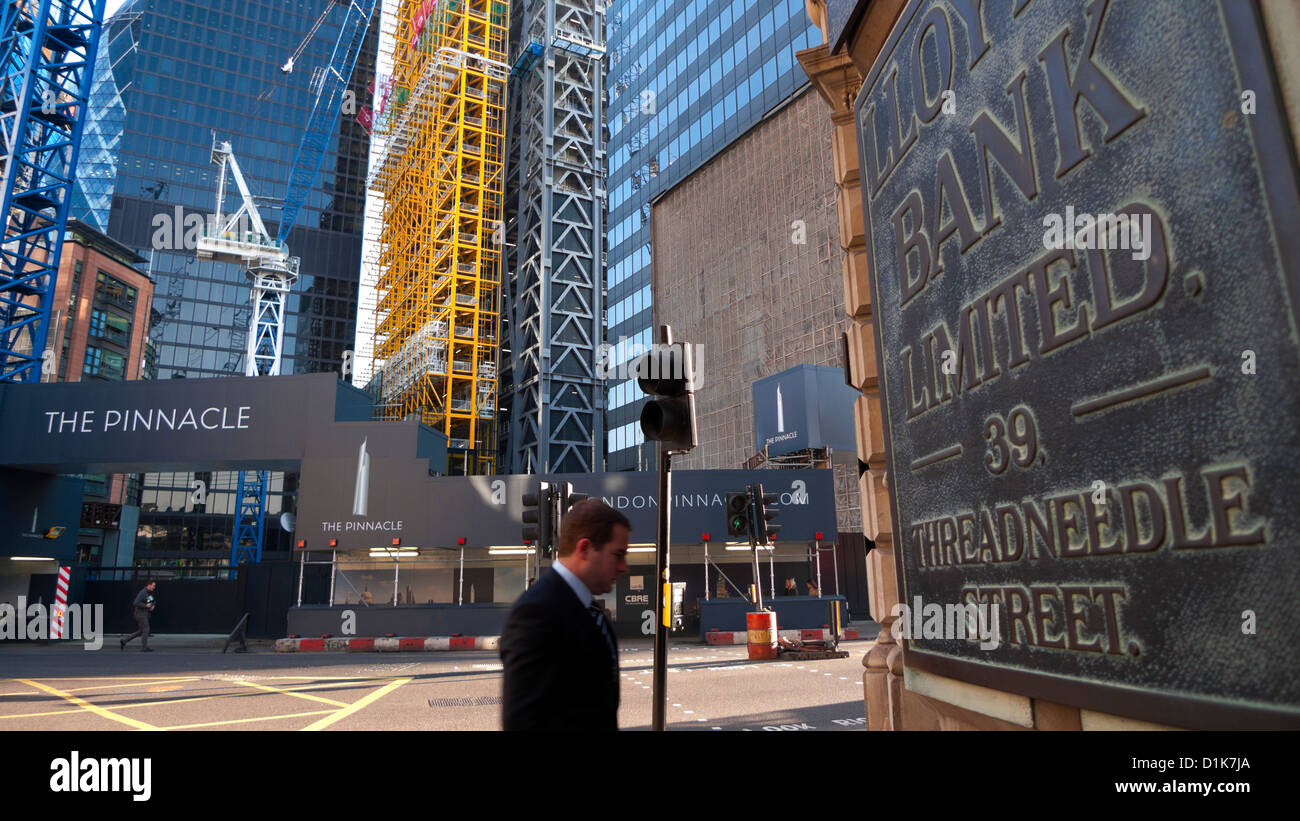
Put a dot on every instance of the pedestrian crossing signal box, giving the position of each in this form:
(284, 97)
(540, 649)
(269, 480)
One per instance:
(678, 618)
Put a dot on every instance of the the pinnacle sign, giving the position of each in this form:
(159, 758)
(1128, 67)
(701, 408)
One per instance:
(1084, 272)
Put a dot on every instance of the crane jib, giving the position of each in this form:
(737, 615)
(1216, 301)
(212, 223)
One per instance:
(325, 111)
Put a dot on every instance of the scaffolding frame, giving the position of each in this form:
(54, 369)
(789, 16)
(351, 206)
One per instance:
(438, 313)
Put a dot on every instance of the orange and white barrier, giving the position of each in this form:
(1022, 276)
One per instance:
(761, 634)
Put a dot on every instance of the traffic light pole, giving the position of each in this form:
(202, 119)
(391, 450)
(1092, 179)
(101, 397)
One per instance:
(659, 693)
(755, 510)
(668, 375)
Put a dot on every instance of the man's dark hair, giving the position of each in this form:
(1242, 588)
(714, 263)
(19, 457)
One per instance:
(590, 519)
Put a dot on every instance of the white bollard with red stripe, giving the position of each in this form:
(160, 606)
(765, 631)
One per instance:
(60, 603)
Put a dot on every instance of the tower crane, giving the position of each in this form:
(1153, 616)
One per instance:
(47, 64)
(241, 237)
(271, 271)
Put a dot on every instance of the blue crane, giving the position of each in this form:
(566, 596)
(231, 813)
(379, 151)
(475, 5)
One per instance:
(325, 110)
(47, 56)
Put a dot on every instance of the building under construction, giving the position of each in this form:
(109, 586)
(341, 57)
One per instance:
(555, 238)
(437, 323)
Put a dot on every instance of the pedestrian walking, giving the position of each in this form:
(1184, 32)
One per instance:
(140, 610)
(558, 649)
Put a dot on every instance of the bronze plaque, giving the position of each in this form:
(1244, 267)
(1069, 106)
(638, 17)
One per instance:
(1082, 232)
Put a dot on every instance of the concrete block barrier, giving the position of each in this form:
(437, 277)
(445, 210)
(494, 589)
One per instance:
(386, 644)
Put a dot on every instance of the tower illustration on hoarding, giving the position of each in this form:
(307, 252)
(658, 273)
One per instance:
(780, 411)
(362, 492)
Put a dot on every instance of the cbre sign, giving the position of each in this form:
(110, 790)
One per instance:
(1071, 312)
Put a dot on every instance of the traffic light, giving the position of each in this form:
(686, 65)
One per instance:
(738, 514)
(667, 374)
(539, 520)
(568, 498)
(565, 499)
(764, 510)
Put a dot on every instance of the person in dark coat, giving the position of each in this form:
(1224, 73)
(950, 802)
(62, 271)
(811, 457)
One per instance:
(558, 649)
(791, 589)
(140, 610)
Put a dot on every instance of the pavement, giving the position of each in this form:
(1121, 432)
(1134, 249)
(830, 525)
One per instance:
(188, 641)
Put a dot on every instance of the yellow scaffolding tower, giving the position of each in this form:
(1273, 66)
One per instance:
(439, 252)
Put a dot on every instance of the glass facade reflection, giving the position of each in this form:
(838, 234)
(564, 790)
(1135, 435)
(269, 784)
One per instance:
(101, 139)
(686, 78)
(205, 68)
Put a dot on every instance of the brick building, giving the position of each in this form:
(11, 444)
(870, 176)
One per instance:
(99, 330)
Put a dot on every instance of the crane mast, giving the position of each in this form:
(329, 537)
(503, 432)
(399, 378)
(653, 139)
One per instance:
(47, 64)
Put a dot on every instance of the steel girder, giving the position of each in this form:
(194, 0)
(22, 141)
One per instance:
(558, 260)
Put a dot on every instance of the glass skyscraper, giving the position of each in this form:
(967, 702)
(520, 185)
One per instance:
(214, 67)
(686, 78)
(101, 140)
(205, 69)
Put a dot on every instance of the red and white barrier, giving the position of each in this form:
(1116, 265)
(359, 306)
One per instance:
(408, 644)
(719, 637)
(60, 603)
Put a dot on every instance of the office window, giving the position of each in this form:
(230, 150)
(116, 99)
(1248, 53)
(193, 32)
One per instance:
(114, 328)
(114, 291)
(104, 363)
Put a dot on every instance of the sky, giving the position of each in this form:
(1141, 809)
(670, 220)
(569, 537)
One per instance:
(113, 6)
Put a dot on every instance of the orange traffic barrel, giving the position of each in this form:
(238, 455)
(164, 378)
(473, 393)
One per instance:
(762, 634)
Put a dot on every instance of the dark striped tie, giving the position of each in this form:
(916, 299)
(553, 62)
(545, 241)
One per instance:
(598, 614)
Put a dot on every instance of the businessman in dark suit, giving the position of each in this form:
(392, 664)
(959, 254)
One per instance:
(557, 647)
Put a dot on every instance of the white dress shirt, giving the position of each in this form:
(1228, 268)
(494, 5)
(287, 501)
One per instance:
(579, 589)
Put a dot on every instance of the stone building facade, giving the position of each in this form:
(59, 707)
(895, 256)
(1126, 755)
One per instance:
(747, 266)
